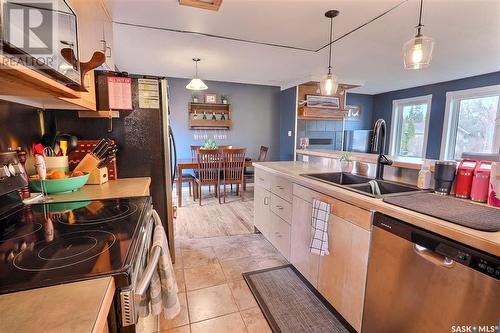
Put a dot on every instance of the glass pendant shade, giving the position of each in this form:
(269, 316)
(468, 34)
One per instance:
(196, 84)
(417, 52)
(329, 84)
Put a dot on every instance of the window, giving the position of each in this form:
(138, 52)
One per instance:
(410, 124)
(472, 123)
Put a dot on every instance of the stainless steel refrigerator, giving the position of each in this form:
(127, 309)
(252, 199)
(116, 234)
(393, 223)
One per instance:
(145, 140)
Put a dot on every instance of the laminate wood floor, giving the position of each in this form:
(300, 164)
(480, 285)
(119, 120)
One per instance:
(235, 217)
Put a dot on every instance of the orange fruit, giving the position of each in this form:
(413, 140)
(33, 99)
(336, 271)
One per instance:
(77, 174)
(57, 174)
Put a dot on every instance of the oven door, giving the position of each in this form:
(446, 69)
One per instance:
(145, 264)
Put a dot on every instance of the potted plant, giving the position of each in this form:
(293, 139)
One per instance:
(209, 144)
(194, 98)
(225, 99)
(346, 165)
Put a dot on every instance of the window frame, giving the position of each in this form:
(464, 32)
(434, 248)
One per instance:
(451, 117)
(396, 122)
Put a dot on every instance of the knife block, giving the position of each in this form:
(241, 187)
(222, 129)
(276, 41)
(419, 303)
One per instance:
(98, 176)
(88, 164)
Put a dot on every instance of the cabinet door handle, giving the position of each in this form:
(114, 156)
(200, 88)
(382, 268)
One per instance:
(279, 207)
(279, 187)
(261, 179)
(266, 201)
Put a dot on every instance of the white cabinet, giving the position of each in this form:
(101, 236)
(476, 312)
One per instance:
(95, 29)
(272, 212)
(262, 213)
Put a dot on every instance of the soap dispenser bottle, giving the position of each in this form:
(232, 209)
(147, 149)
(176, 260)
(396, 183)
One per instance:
(424, 176)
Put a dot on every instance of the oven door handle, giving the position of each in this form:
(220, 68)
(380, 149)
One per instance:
(145, 281)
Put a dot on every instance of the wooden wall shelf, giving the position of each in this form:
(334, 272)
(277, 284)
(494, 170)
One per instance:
(320, 113)
(209, 109)
(305, 112)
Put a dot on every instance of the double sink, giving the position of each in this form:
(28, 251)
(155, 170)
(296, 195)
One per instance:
(363, 185)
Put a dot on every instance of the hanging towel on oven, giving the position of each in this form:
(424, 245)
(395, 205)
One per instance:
(319, 228)
(162, 293)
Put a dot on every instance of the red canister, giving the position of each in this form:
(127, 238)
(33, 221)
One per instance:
(481, 182)
(465, 174)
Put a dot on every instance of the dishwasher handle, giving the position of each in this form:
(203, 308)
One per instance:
(433, 257)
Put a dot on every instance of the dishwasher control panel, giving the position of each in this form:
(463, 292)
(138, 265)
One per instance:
(463, 254)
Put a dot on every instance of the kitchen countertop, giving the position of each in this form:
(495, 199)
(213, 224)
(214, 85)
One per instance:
(486, 241)
(398, 161)
(122, 187)
(73, 307)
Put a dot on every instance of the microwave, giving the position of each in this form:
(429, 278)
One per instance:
(41, 35)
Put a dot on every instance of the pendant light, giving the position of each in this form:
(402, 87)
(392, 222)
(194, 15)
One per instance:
(196, 83)
(417, 52)
(329, 83)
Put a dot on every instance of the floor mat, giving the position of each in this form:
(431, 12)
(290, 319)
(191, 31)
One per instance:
(291, 305)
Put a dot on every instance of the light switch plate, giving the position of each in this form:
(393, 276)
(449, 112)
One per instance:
(289, 133)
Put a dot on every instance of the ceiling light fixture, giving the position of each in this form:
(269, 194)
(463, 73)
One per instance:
(417, 52)
(196, 83)
(329, 83)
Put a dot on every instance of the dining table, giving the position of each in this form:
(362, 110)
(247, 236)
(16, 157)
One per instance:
(191, 164)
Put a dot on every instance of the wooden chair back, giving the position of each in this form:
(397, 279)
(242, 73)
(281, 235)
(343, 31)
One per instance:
(225, 147)
(233, 164)
(209, 164)
(263, 153)
(194, 151)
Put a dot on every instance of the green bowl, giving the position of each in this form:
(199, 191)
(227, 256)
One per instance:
(60, 185)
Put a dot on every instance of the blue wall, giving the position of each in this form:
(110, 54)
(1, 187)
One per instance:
(366, 104)
(288, 100)
(255, 115)
(382, 104)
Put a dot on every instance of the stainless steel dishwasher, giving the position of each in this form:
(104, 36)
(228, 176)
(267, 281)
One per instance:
(420, 282)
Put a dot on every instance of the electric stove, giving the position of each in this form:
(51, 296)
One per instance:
(47, 244)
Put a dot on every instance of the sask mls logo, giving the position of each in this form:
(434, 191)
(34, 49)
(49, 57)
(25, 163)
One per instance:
(29, 26)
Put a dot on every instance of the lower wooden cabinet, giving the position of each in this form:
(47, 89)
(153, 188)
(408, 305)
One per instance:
(342, 274)
(300, 256)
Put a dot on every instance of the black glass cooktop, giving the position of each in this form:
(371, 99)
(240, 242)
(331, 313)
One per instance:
(41, 245)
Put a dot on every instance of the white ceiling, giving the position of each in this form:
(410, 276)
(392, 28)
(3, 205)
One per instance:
(467, 34)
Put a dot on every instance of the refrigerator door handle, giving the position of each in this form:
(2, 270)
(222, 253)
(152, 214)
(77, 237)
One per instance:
(173, 162)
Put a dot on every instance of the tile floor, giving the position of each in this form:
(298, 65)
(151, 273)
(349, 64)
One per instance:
(214, 246)
(214, 297)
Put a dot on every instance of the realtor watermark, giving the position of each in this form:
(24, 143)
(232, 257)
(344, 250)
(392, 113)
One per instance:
(475, 329)
(28, 33)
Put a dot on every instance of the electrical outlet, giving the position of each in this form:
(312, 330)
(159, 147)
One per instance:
(289, 133)
(305, 158)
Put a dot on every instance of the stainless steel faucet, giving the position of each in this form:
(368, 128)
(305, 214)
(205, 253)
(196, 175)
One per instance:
(378, 146)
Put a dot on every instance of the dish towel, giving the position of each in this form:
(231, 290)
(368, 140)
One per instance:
(319, 227)
(162, 293)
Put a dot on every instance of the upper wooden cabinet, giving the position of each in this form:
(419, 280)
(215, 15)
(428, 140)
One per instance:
(26, 86)
(95, 29)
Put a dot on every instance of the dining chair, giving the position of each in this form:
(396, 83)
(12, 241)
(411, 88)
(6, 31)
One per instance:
(208, 172)
(249, 175)
(188, 177)
(233, 164)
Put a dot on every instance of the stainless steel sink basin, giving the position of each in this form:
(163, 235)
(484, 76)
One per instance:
(361, 184)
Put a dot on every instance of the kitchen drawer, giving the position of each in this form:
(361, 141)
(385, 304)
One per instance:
(280, 235)
(282, 208)
(262, 179)
(282, 187)
(351, 213)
